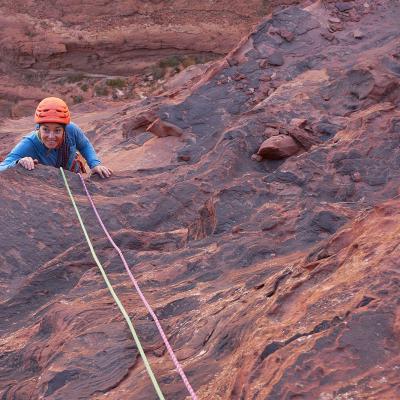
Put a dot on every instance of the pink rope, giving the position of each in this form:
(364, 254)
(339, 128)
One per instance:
(147, 305)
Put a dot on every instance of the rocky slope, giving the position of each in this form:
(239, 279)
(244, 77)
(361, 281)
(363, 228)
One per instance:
(274, 279)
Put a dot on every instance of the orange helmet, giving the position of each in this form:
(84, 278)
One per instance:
(52, 109)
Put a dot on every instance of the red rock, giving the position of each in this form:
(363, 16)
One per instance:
(305, 138)
(273, 30)
(256, 157)
(358, 34)
(277, 147)
(356, 177)
(342, 6)
(162, 129)
(270, 131)
(184, 157)
(238, 77)
(335, 20)
(276, 59)
(320, 287)
(265, 78)
(298, 122)
(328, 35)
(287, 35)
(140, 120)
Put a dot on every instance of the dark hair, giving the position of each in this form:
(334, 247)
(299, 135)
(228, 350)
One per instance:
(63, 153)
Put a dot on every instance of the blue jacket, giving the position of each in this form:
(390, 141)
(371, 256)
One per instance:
(31, 146)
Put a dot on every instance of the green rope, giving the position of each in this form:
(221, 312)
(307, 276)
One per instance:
(114, 295)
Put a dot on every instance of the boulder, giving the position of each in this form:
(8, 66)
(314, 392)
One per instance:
(278, 147)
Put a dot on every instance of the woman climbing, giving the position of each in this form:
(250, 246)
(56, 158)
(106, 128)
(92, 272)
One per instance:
(55, 142)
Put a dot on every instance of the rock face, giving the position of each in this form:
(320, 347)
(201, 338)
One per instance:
(68, 48)
(273, 280)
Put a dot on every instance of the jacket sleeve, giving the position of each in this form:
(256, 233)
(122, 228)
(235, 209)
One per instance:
(86, 148)
(24, 148)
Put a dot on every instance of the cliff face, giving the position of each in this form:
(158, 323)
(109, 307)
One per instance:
(274, 279)
(122, 36)
(66, 48)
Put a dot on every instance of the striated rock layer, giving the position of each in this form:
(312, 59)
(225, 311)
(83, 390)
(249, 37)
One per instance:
(274, 279)
(67, 48)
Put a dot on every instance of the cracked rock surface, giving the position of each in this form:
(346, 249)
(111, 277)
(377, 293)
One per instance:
(273, 279)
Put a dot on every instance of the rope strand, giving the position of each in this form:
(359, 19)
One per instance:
(145, 302)
(114, 295)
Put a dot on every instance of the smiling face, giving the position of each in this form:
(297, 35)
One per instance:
(52, 134)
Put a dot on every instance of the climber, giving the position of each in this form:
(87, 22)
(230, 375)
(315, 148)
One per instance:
(55, 142)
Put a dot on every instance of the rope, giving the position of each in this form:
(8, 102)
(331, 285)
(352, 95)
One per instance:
(147, 305)
(114, 295)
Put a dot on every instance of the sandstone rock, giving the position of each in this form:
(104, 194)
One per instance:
(184, 157)
(298, 122)
(278, 147)
(269, 224)
(318, 336)
(142, 119)
(270, 131)
(335, 20)
(162, 129)
(356, 177)
(143, 138)
(265, 78)
(305, 138)
(23, 108)
(256, 157)
(276, 59)
(358, 34)
(238, 77)
(287, 35)
(328, 35)
(342, 6)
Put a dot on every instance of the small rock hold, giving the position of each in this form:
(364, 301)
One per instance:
(287, 35)
(274, 84)
(237, 229)
(328, 36)
(336, 27)
(356, 177)
(358, 34)
(342, 6)
(238, 77)
(276, 59)
(272, 30)
(265, 78)
(334, 20)
(159, 352)
(271, 132)
(256, 157)
(298, 122)
(183, 157)
(268, 225)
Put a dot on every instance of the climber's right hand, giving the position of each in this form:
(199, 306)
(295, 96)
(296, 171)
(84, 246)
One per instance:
(28, 163)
